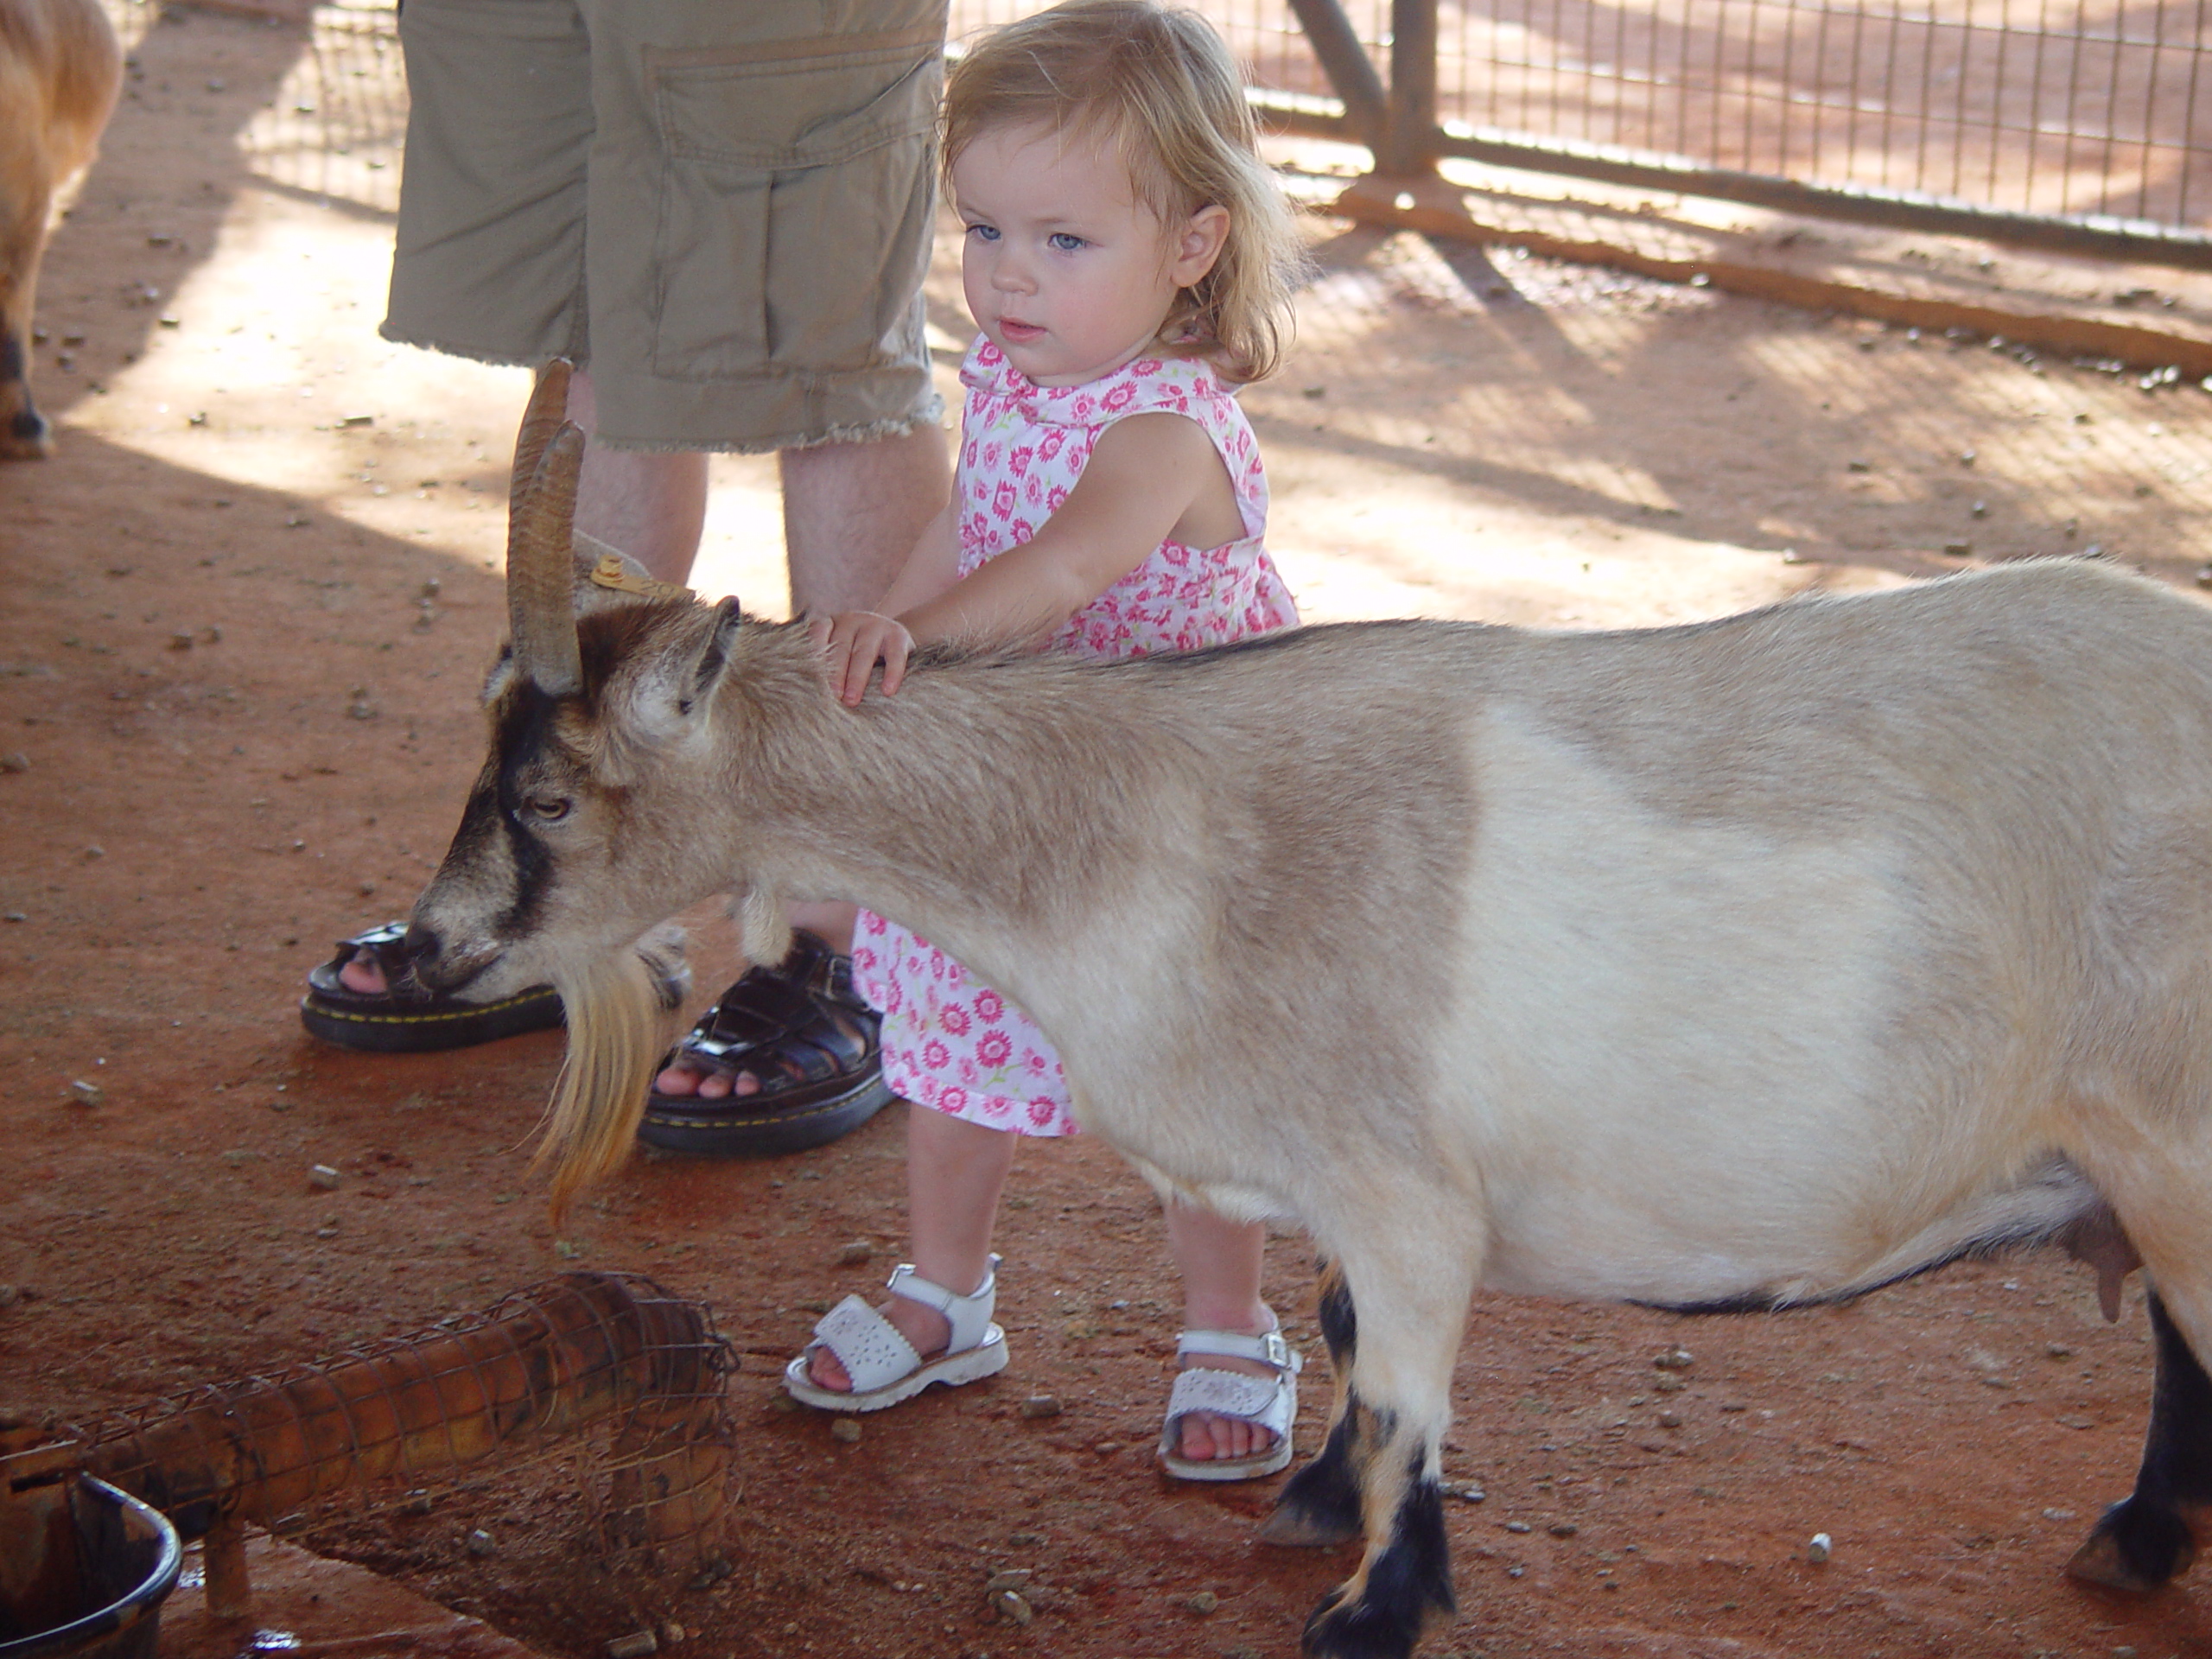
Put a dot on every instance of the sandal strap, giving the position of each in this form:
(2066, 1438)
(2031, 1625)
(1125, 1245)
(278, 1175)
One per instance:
(1269, 1348)
(800, 1022)
(1265, 1402)
(868, 1346)
(969, 1315)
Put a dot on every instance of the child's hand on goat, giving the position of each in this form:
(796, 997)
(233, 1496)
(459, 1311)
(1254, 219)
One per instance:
(853, 643)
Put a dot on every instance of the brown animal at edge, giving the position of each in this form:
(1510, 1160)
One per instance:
(60, 67)
(1757, 963)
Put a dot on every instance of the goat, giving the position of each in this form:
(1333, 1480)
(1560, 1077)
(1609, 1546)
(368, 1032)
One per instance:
(1750, 964)
(59, 71)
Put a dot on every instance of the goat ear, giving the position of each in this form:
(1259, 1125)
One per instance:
(669, 697)
(713, 660)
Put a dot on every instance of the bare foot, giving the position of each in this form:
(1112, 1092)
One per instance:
(680, 1083)
(363, 973)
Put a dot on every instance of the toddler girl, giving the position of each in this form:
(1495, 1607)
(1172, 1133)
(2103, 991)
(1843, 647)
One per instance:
(1127, 253)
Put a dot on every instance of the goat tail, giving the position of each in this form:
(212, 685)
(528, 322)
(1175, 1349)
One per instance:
(616, 1033)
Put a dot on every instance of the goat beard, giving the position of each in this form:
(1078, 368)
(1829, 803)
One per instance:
(617, 1030)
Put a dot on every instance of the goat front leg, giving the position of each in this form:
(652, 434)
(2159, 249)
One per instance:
(1319, 1505)
(1380, 1470)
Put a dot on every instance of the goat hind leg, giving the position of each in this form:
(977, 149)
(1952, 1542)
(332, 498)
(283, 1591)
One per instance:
(2153, 1534)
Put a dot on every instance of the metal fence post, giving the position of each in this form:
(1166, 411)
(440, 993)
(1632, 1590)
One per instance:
(1410, 145)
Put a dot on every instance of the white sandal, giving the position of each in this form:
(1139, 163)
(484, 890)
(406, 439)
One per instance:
(1267, 1403)
(883, 1366)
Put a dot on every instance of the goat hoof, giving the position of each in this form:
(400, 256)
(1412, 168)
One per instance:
(1296, 1527)
(2135, 1548)
(25, 435)
(1345, 1628)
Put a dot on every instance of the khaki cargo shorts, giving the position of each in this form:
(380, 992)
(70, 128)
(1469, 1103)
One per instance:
(725, 213)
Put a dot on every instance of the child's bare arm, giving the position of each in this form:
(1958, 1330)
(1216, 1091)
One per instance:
(1147, 474)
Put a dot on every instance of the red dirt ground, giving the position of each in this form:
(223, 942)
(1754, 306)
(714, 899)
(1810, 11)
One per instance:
(242, 723)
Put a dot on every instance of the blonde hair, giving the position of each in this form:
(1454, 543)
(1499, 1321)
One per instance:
(1161, 82)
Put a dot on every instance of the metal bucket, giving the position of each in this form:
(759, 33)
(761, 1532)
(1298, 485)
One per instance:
(84, 1570)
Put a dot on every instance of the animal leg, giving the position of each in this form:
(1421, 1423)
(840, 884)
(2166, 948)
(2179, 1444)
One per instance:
(1412, 1309)
(2153, 1534)
(23, 431)
(1319, 1505)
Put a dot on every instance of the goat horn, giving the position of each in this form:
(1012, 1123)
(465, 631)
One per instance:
(549, 407)
(541, 571)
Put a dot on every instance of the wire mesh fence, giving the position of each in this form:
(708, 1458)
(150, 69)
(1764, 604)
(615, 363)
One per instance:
(613, 1357)
(2049, 108)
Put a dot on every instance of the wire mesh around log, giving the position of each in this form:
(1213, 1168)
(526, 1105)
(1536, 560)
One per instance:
(611, 1354)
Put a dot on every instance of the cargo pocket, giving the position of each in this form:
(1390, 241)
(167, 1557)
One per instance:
(794, 220)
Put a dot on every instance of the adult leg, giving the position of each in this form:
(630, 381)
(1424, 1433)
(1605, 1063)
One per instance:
(852, 512)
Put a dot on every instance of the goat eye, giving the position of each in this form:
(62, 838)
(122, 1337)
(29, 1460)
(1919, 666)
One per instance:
(547, 809)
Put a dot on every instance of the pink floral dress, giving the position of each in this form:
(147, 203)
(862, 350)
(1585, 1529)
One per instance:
(950, 1041)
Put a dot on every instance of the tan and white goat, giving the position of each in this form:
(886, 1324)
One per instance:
(1761, 961)
(60, 68)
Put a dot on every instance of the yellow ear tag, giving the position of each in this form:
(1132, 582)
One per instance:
(610, 572)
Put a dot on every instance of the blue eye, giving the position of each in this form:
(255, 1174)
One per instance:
(1063, 241)
(984, 232)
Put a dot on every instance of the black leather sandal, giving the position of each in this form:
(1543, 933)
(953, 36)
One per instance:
(804, 1032)
(392, 1022)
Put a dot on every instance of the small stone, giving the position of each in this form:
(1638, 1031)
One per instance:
(15, 916)
(1041, 1405)
(1979, 510)
(2059, 1350)
(1966, 457)
(1469, 1493)
(1958, 549)
(417, 1503)
(2204, 576)
(357, 420)
(673, 1633)
(1312, 392)
(86, 1094)
(713, 1572)
(1819, 1548)
(16, 761)
(1009, 1577)
(1009, 1604)
(179, 642)
(95, 851)
(1675, 1359)
(1668, 1385)
(852, 1254)
(481, 1543)
(1205, 1602)
(1562, 1528)
(1025, 1539)
(324, 1178)
(636, 1645)
(1670, 1420)
(1518, 1526)
(847, 1429)
(1858, 466)
(9, 1295)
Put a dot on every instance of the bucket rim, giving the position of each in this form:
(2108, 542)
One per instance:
(125, 1610)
